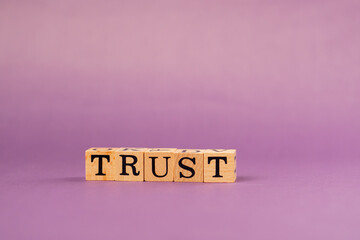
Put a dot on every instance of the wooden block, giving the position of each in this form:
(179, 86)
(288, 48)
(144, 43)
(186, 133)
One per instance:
(220, 165)
(129, 164)
(189, 165)
(159, 164)
(99, 164)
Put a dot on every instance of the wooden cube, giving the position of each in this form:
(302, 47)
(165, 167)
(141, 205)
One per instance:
(129, 164)
(189, 165)
(99, 164)
(159, 164)
(220, 165)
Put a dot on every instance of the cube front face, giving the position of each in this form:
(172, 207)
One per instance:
(100, 164)
(159, 164)
(189, 165)
(129, 164)
(220, 165)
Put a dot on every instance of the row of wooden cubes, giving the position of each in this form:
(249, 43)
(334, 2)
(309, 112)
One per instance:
(161, 164)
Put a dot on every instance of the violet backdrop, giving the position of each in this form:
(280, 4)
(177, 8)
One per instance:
(277, 80)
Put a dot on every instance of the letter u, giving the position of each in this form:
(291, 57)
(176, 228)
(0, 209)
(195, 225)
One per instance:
(154, 168)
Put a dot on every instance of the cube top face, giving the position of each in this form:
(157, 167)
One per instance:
(221, 150)
(161, 150)
(101, 149)
(190, 150)
(220, 165)
(131, 149)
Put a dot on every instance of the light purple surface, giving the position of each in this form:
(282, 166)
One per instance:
(278, 81)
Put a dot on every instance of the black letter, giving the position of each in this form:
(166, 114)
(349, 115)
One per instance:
(124, 164)
(187, 167)
(107, 157)
(153, 166)
(217, 164)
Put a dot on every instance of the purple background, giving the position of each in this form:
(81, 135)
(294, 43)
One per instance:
(278, 81)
